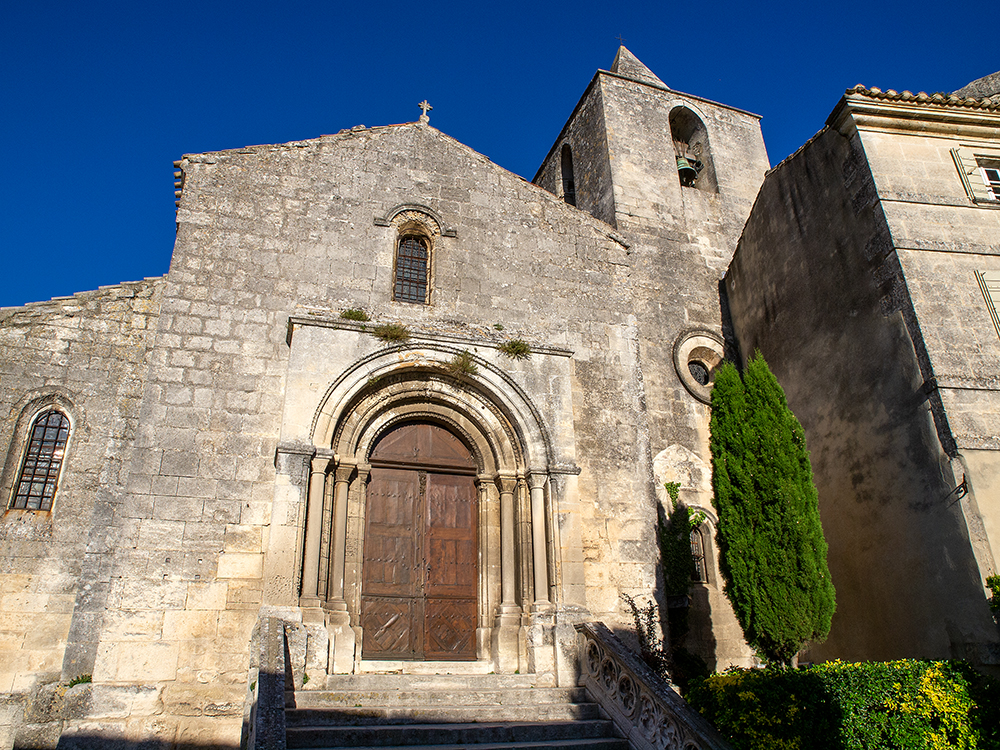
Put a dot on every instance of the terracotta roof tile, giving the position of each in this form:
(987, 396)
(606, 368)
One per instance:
(951, 100)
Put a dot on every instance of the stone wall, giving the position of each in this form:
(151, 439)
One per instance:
(816, 287)
(86, 354)
(269, 232)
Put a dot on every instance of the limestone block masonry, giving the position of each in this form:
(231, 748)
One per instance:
(418, 413)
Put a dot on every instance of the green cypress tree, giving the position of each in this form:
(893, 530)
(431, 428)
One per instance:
(771, 547)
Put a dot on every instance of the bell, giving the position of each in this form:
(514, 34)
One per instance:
(687, 171)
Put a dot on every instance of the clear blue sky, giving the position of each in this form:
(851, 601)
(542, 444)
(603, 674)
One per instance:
(98, 99)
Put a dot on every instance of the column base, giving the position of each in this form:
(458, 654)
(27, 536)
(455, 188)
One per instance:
(343, 642)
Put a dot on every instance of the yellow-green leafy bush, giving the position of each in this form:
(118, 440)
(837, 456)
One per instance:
(869, 705)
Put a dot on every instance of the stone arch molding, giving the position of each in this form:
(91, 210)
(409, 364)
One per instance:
(494, 415)
(513, 453)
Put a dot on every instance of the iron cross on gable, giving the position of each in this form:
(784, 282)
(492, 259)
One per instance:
(425, 107)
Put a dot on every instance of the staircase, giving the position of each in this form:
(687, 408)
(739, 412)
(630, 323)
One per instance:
(446, 712)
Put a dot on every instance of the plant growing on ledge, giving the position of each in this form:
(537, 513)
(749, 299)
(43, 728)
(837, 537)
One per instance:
(354, 313)
(462, 364)
(994, 585)
(515, 349)
(391, 333)
(771, 547)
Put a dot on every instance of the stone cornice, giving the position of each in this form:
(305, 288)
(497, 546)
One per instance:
(935, 115)
(324, 321)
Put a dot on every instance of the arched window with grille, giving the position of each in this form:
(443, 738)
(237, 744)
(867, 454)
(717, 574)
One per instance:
(412, 261)
(38, 478)
(699, 570)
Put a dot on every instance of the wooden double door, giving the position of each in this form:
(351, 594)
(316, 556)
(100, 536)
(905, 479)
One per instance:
(420, 573)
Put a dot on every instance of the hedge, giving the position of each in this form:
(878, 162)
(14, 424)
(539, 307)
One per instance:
(843, 706)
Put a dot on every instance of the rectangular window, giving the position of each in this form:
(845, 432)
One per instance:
(991, 178)
(979, 170)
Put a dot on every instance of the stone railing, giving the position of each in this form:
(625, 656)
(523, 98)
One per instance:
(644, 708)
(264, 717)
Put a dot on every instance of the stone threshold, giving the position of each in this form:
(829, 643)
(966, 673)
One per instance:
(380, 666)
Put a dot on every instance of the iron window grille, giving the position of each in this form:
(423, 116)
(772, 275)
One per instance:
(411, 270)
(39, 475)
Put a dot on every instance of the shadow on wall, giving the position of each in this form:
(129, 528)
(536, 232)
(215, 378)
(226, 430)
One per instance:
(103, 742)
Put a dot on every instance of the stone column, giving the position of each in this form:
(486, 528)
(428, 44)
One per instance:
(539, 555)
(340, 490)
(314, 531)
(508, 621)
(343, 639)
(507, 483)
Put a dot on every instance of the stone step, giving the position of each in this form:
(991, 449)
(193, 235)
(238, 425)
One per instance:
(442, 712)
(597, 743)
(368, 682)
(450, 697)
(480, 733)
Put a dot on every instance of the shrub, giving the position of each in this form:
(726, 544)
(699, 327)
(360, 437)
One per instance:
(994, 583)
(647, 629)
(392, 333)
(902, 704)
(515, 349)
(354, 313)
(462, 364)
(772, 553)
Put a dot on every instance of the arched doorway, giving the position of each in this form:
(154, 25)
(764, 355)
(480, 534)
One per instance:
(420, 573)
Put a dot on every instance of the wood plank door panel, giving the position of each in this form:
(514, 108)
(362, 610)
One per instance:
(420, 579)
(393, 566)
(452, 572)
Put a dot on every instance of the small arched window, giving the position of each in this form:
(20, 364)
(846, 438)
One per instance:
(699, 569)
(568, 183)
(35, 488)
(412, 256)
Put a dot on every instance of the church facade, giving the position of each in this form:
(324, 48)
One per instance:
(424, 411)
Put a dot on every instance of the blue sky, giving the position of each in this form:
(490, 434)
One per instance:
(98, 99)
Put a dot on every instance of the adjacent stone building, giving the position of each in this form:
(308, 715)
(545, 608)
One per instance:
(423, 410)
(867, 275)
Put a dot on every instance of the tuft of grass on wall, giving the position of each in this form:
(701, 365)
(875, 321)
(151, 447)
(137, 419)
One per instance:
(462, 364)
(515, 349)
(354, 313)
(391, 333)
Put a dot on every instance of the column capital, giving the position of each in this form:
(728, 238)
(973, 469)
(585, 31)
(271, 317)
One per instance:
(506, 481)
(320, 463)
(344, 470)
(537, 478)
(363, 471)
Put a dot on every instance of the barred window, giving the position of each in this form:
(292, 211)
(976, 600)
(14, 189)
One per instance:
(699, 570)
(411, 270)
(36, 482)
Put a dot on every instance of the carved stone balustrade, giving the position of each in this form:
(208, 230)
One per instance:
(643, 707)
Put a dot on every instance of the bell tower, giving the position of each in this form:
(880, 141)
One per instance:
(676, 175)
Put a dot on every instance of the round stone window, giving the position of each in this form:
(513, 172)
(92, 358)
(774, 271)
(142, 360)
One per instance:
(697, 354)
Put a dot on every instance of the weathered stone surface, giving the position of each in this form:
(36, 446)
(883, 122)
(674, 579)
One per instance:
(861, 291)
(224, 416)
